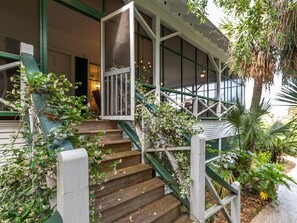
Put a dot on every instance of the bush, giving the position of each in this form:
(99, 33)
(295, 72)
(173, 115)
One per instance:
(264, 177)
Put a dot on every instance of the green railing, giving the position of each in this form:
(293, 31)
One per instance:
(156, 164)
(31, 70)
(153, 159)
(199, 106)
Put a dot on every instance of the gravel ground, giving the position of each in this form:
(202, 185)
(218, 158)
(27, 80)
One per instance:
(284, 210)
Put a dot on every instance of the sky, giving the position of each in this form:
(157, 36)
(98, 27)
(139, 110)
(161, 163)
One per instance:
(278, 109)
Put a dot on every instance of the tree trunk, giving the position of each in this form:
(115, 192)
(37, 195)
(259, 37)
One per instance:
(257, 93)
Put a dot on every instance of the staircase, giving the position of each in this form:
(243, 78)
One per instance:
(131, 194)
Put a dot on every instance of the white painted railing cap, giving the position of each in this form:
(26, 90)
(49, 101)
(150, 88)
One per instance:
(72, 155)
(26, 48)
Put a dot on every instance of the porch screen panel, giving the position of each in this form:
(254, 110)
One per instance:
(19, 22)
(212, 84)
(172, 70)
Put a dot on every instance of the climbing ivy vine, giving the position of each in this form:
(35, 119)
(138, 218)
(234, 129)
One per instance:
(168, 127)
(24, 192)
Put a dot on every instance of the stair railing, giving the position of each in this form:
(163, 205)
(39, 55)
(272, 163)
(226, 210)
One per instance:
(201, 174)
(72, 172)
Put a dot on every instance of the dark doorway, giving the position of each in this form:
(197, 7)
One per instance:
(81, 75)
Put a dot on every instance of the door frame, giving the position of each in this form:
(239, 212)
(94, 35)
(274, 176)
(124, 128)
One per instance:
(128, 7)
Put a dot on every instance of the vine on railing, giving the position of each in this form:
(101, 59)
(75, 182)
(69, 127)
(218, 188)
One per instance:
(166, 128)
(24, 195)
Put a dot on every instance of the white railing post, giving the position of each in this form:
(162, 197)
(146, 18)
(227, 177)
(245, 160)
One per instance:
(197, 200)
(73, 186)
(195, 106)
(235, 204)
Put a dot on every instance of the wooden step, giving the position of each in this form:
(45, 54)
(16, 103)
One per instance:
(122, 202)
(123, 178)
(97, 125)
(183, 218)
(126, 158)
(117, 145)
(163, 210)
(108, 135)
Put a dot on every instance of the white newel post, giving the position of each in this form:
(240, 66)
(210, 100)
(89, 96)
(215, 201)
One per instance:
(235, 204)
(73, 186)
(197, 200)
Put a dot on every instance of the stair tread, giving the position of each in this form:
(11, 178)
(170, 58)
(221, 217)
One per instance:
(183, 218)
(126, 194)
(95, 131)
(119, 155)
(127, 171)
(116, 141)
(152, 211)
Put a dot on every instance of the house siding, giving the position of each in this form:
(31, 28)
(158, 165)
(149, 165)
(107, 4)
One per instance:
(7, 130)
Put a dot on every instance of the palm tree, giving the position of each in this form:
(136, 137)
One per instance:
(278, 139)
(248, 125)
(260, 34)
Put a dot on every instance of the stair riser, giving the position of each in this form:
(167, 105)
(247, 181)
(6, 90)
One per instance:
(120, 147)
(99, 125)
(115, 185)
(121, 210)
(107, 136)
(169, 216)
(125, 162)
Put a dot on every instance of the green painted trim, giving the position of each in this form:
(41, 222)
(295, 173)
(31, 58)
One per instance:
(83, 8)
(167, 178)
(196, 75)
(213, 175)
(55, 218)
(179, 92)
(104, 7)
(142, 35)
(47, 125)
(131, 133)
(8, 114)
(43, 35)
(9, 56)
(152, 158)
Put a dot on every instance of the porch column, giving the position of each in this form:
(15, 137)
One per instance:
(156, 55)
(219, 79)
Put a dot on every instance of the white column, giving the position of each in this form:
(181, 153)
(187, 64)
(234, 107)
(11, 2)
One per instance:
(235, 204)
(156, 55)
(219, 108)
(197, 200)
(73, 186)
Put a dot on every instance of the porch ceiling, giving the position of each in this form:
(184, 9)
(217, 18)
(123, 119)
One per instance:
(207, 29)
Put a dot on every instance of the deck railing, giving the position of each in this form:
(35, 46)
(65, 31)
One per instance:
(199, 106)
(201, 174)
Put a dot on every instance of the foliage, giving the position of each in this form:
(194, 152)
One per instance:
(24, 195)
(168, 127)
(278, 139)
(264, 177)
(249, 27)
(289, 93)
(247, 124)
